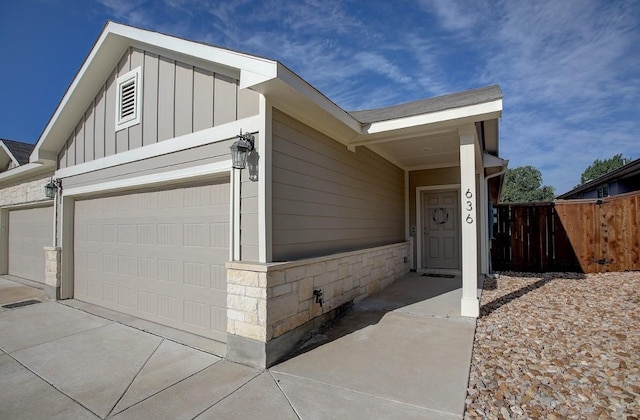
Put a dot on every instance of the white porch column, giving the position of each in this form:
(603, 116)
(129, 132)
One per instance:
(470, 306)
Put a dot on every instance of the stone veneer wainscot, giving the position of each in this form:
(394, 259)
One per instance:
(270, 301)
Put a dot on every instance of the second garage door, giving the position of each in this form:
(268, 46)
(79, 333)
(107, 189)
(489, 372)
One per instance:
(30, 230)
(157, 255)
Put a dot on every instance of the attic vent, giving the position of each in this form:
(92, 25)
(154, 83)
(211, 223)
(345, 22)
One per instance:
(128, 104)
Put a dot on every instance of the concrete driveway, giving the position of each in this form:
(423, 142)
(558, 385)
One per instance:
(400, 354)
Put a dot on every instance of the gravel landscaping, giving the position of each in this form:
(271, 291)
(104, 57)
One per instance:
(557, 345)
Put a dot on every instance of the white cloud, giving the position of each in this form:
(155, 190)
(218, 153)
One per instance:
(568, 68)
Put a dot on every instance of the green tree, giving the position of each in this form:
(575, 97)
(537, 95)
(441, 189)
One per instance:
(602, 167)
(524, 184)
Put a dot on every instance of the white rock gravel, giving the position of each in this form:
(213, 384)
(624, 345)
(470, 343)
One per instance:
(556, 346)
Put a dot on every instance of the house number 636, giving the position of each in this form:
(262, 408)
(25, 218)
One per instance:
(469, 207)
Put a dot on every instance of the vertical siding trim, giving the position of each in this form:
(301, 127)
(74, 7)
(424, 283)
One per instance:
(110, 116)
(89, 133)
(183, 99)
(136, 131)
(202, 99)
(150, 99)
(166, 94)
(99, 124)
(265, 219)
(236, 180)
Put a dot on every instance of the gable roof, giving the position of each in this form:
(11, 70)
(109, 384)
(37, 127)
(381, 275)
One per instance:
(275, 81)
(430, 105)
(19, 152)
(631, 168)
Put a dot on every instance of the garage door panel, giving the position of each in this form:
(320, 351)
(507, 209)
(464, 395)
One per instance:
(30, 230)
(158, 255)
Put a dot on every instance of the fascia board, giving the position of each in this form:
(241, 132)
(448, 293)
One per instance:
(317, 98)
(25, 171)
(490, 161)
(478, 112)
(195, 49)
(110, 45)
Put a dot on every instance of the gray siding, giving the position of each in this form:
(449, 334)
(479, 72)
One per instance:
(327, 199)
(177, 99)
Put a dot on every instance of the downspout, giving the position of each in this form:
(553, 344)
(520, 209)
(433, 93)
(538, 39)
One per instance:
(486, 180)
(504, 169)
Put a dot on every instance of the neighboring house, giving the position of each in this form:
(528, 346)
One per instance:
(26, 215)
(155, 222)
(14, 154)
(620, 181)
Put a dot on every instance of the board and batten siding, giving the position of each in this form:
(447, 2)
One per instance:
(327, 199)
(177, 98)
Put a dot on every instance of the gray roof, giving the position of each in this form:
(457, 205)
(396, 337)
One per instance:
(426, 106)
(21, 151)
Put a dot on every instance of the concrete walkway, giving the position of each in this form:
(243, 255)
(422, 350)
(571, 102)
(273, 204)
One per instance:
(404, 353)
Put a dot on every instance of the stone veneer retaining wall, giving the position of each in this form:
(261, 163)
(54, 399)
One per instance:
(266, 301)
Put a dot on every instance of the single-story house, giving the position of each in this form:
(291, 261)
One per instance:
(26, 214)
(623, 180)
(155, 220)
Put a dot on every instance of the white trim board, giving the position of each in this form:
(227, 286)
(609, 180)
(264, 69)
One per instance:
(419, 191)
(478, 112)
(221, 168)
(187, 141)
(26, 170)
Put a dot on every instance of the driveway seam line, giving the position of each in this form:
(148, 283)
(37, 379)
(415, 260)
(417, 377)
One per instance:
(285, 395)
(59, 338)
(226, 396)
(365, 394)
(134, 379)
(164, 389)
(54, 387)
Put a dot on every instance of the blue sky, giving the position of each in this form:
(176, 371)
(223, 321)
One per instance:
(570, 69)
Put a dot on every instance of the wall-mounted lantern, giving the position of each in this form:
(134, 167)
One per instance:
(240, 150)
(51, 189)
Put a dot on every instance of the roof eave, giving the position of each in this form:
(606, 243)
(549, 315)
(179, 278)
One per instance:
(471, 113)
(294, 96)
(25, 171)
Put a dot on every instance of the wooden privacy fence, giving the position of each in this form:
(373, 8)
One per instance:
(589, 236)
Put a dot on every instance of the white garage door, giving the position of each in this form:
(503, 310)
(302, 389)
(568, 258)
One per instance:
(30, 230)
(157, 255)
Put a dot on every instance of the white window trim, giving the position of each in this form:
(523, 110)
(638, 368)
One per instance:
(134, 75)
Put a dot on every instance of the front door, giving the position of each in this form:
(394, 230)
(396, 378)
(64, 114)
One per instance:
(441, 249)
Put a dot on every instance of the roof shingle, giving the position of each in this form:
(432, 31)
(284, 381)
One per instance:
(426, 106)
(21, 151)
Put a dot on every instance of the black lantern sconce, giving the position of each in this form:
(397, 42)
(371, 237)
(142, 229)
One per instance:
(52, 188)
(240, 150)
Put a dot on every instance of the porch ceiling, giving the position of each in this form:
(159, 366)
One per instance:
(421, 151)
